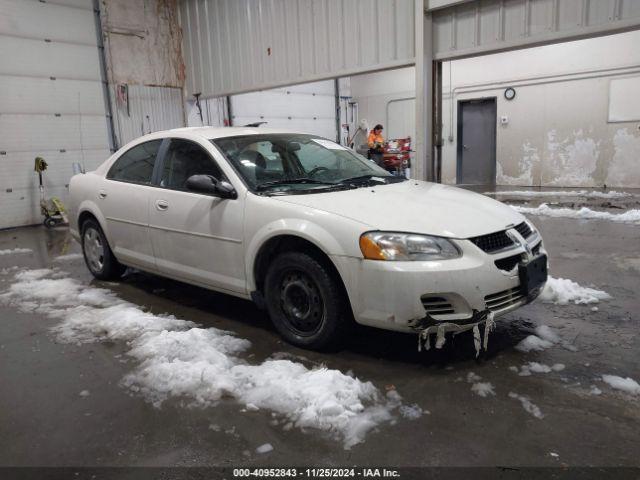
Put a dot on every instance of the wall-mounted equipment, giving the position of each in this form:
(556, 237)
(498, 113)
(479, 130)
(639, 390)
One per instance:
(510, 93)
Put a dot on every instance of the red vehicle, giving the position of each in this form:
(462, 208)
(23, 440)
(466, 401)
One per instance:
(397, 155)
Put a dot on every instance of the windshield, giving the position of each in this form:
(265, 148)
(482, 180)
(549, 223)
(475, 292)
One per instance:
(294, 162)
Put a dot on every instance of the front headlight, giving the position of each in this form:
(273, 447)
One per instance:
(406, 246)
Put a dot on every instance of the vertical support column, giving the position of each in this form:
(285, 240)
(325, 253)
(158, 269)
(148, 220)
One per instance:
(437, 121)
(104, 78)
(422, 167)
(336, 87)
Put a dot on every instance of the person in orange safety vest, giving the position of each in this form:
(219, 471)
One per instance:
(375, 143)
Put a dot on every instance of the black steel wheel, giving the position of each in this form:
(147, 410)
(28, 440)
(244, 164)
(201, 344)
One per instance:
(305, 301)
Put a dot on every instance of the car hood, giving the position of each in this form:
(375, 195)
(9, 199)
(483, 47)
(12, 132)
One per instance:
(415, 206)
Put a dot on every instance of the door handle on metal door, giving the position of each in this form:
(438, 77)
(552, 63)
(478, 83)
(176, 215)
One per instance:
(466, 147)
(162, 205)
(102, 194)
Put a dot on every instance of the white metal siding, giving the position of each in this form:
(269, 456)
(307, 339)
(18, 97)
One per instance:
(51, 101)
(486, 26)
(150, 109)
(308, 108)
(234, 46)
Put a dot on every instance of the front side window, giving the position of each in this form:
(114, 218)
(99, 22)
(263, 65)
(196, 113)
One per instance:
(184, 159)
(294, 162)
(136, 165)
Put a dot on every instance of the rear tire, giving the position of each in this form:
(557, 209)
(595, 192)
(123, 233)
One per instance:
(306, 302)
(97, 254)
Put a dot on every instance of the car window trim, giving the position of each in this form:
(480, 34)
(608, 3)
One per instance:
(162, 156)
(155, 164)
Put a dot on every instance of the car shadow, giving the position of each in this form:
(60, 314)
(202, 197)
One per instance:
(218, 310)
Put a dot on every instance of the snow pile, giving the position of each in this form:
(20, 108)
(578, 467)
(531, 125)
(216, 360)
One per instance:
(630, 216)
(527, 405)
(544, 338)
(179, 359)
(15, 251)
(535, 367)
(628, 385)
(564, 193)
(563, 291)
(69, 257)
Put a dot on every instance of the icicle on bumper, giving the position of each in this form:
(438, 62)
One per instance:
(429, 327)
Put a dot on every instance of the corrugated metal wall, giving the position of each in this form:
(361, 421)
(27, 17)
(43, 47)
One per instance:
(234, 46)
(149, 109)
(491, 25)
(51, 100)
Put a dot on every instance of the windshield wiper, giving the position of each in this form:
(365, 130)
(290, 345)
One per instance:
(364, 178)
(290, 181)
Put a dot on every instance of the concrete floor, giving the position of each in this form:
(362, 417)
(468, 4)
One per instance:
(44, 421)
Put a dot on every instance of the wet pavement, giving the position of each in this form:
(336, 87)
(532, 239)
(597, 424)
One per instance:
(45, 421)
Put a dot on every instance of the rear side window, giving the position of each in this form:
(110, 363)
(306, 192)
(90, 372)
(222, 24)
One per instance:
(136, 165)
(184, 159)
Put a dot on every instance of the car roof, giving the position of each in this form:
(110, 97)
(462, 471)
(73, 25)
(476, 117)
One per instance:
(210, 133)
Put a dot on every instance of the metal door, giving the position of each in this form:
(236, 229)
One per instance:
(477, 142)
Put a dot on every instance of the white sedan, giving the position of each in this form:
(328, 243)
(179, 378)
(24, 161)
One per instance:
(312, 232)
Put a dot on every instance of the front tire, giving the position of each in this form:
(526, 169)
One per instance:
(306, 302)
(97, 254)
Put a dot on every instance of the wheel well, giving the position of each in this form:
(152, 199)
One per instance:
(84, 216)
(291, 243)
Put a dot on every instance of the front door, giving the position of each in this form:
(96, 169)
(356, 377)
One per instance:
(196, 237)
(477, 142)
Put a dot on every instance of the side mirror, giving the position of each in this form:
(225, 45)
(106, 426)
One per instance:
(210, 185)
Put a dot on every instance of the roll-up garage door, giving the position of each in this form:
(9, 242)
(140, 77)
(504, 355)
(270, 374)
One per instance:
(308, 108)
(51, 101)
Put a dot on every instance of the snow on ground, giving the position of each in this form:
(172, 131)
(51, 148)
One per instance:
(266, 448)
(630, 216)
(69, 257)
(484, 389)
(544, 338)
(411, 412)
(527, 405)
(15, 251)
(563, 291)
(563, 193)
(628, 385)
(535, 367)
(177, 358)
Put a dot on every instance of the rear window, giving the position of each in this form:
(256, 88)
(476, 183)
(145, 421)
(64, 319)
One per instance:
(136, 165)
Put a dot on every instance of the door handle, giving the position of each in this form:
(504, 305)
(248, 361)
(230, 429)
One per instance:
(102, 194)
(466, 147)
(162, 205)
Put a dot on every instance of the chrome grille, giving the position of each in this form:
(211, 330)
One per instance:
(437, 305)
(493, 241)
(524, 230)
(508, 264)
(504, 299)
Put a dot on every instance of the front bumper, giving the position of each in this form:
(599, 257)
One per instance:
(399, 295)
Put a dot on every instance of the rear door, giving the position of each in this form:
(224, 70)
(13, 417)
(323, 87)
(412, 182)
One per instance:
(123, 199)
(196, 237)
